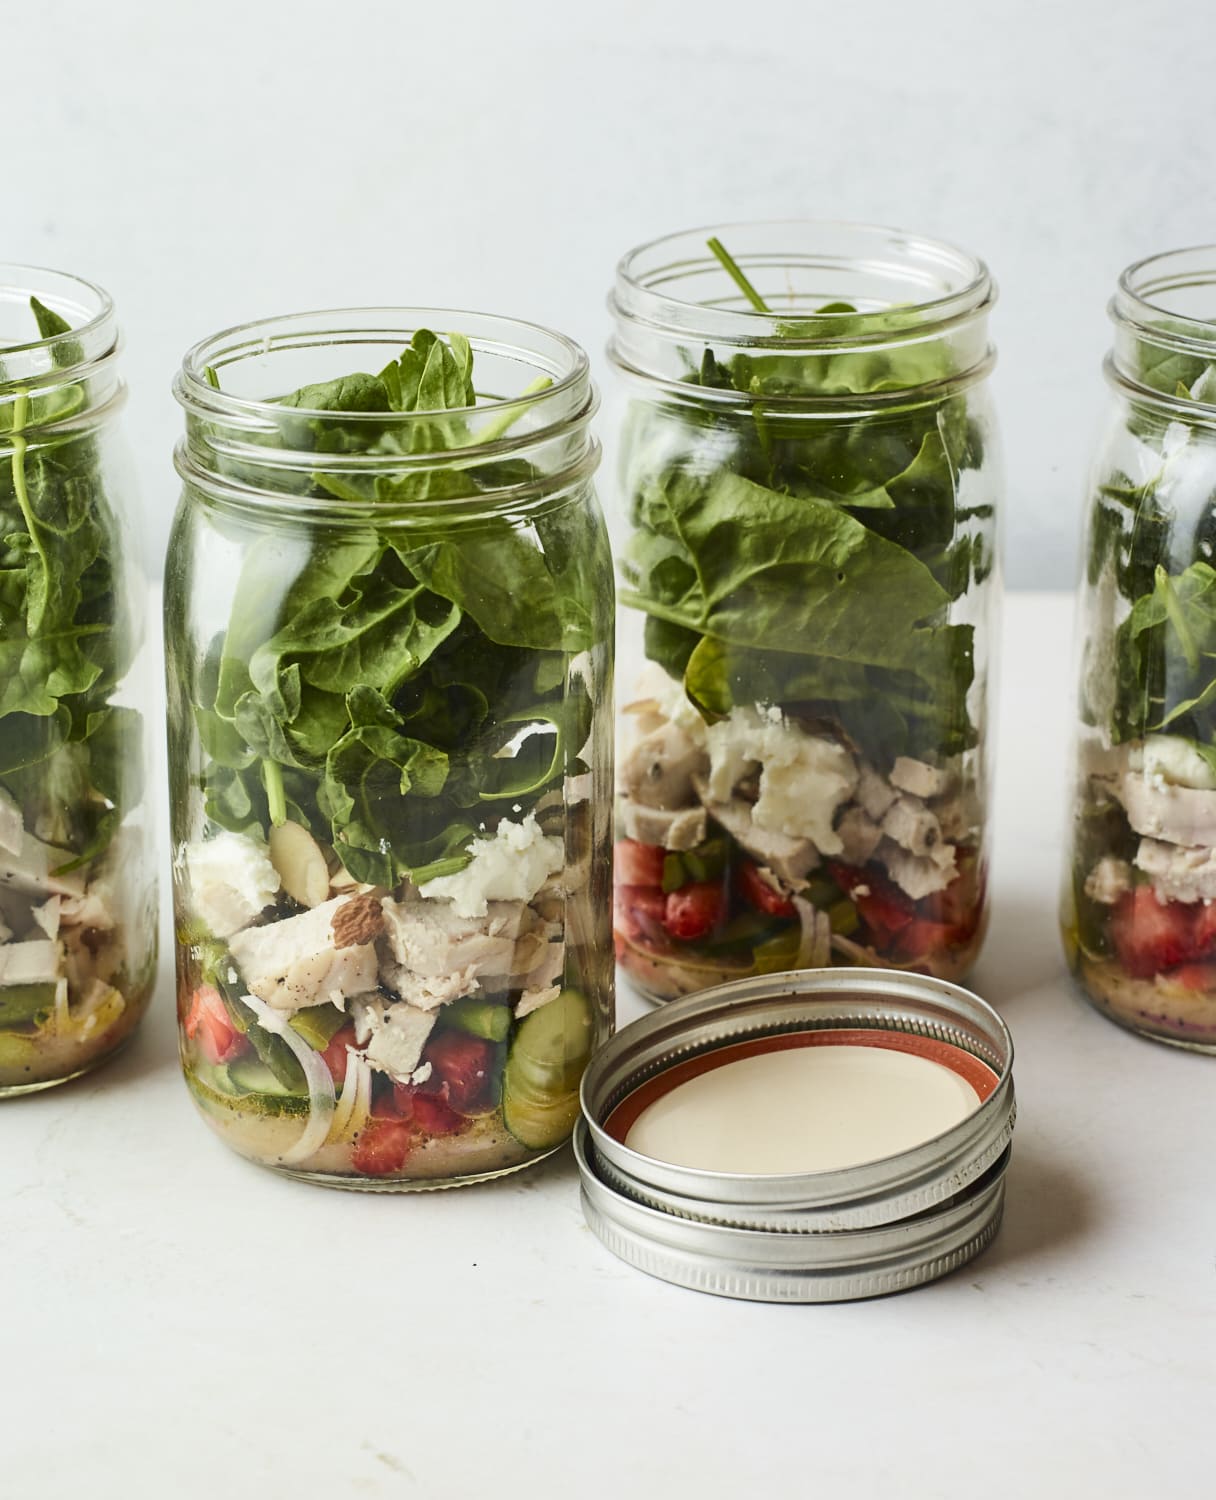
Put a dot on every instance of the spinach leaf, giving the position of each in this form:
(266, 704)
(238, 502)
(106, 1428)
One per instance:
(393, 686)
(784, 553)
(67, 755)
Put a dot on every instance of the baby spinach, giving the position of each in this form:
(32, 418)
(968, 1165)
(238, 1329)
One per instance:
(391, 686)
(66, 753)
(785, 551)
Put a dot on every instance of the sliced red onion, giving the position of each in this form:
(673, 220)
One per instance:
(317, 1075)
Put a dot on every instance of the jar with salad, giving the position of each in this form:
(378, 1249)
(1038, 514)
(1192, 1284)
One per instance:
(77, 878)
(810, 476)
(388, 615)
(1139, 918)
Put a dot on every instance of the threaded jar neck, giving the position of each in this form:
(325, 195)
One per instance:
(356, 454)
(60, 384)
(1164, 311)
(850, 309)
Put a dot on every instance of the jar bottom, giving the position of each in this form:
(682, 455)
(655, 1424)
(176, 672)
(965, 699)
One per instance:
(411, 1184)
(658, 978)
(120, 1037)
(1156, 1009)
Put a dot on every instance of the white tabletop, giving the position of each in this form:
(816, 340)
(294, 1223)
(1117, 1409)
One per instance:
(178, 1323)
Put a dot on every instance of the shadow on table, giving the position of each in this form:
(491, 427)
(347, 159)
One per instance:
(1048, 1206)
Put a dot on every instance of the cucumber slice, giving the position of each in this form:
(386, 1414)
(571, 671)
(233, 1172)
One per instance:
(539, 1124)
(318, 1025)
(551, 1048)
(250, 1075)
(25, 1005)
(483, 1018)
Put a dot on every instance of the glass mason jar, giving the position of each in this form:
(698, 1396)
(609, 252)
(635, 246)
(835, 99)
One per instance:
(77, 879)
(1138, 915)
(388, 614)
(810, 471)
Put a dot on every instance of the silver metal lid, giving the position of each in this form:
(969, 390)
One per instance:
(817, 999)
(813, 1236)
(768, 1266)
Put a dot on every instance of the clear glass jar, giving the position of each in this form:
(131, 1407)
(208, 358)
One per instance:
(810, 472)
(388, 615)
(77, 878)
(1138, 915)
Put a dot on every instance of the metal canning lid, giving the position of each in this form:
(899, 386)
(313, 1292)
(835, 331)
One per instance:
(767, 1266)
(884, 1192)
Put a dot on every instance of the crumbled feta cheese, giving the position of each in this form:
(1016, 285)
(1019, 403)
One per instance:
(919, 778)
(1168, 759)
(231, 880)
(420, 1075)
(1109, 879)
(804, 779)
(512, 866)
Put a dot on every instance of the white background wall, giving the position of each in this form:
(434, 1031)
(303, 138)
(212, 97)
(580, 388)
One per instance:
(219, 162)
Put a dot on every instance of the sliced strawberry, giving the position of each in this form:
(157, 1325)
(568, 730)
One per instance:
(334, 1056)
(959, 905)
(756, 889)
(209, 1025)
(640, 910)
(1205, 928)
(1198, 977)
(883, 906)
(637, 864)
(924, 939)
(430, 1113)
(463, 1069)
(1150, 935)
(694, 910)
(382, 1148)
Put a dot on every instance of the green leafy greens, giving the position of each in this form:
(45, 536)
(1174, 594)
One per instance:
(411, 679)
(68, 755)
(785, 554)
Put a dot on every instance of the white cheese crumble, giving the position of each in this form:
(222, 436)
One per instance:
(803, 779)
(511, 866)
(231, 881)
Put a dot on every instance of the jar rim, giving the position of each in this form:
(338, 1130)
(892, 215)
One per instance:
(1142, 288)
(954, 284)
(559, 400)
(31, 361)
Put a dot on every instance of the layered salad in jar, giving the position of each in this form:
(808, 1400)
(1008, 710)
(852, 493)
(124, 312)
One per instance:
(1140, 907)
(801, 780)
(77, 909)
(389, 972)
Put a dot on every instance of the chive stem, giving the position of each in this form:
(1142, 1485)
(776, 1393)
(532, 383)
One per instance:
(731, 267)
(505, 420)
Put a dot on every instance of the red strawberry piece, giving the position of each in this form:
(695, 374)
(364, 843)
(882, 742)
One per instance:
(760, 892)
(694, 910)
(1205, 928)
(334, 1056)
(209, 1025)
(640, 910)
(637, 864)
(382, 1148)
(1198, 977)
(463, 1068)
(1150, 935)
(883, 906)
(429, 1113)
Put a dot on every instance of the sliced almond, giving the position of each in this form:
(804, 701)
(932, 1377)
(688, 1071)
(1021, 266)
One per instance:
(297, 857)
